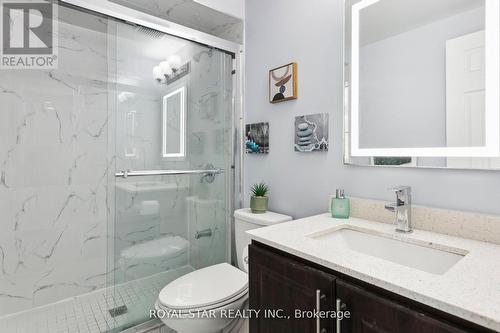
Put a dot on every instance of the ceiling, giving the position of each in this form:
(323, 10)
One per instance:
(235, 8)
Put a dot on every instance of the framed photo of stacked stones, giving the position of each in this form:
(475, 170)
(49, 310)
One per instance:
(311, 133)
(283, 83)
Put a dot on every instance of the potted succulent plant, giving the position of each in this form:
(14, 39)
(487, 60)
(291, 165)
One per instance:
(259, 199)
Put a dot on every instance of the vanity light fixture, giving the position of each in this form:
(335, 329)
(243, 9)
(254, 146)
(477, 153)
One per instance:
(171, 70)
(166, 69)
(492, 100)
(175, 62)
(158, 74)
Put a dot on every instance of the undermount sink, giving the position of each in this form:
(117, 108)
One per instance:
(427, 257)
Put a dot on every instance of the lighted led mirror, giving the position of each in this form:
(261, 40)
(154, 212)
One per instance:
(174, 124)
(422, 83)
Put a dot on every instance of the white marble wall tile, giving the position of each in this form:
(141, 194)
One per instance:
(53, 174)
(206, 214)
(63, 220)
(193, 15)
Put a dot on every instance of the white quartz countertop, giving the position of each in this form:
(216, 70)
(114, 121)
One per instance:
(469, 290)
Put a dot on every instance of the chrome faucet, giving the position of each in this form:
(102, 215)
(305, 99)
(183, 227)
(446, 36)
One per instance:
(402, 208)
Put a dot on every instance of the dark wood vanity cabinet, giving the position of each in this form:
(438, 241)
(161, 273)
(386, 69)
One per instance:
(371, 313)
(280, 281)
(280, 286)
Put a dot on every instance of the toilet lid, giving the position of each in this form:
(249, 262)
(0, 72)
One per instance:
(165, 247)
(204, 287)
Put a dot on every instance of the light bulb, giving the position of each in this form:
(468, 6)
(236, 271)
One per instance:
(157, 73)
(165, 68)
(175, 61)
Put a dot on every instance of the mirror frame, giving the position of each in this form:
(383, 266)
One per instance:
(492, 100)
(182, 131)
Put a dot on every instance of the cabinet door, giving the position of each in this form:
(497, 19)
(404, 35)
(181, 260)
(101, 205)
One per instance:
(278, 283)
(371, 313)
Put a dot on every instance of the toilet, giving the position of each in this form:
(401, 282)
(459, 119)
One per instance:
(194, 302)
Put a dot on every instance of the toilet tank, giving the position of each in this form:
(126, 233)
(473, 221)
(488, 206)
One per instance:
(245, 220)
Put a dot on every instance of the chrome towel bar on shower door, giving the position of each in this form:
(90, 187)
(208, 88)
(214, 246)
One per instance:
(130, 173)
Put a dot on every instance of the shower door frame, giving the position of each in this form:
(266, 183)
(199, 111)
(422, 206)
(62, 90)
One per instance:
(234, 199)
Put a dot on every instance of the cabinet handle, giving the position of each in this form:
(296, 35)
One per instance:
(318, 309)
(339, 306)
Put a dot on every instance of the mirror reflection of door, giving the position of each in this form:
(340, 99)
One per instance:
(402, 69)
(465, 98)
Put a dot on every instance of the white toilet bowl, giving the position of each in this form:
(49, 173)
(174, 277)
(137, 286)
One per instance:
(199, 302)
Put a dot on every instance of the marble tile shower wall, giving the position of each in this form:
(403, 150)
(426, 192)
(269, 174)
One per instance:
(193, 15)
(210, 133)
(186, 204)
(58, 157)
(139, 149)
(54, 167)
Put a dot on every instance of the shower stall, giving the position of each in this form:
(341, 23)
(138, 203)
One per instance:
(117, 169)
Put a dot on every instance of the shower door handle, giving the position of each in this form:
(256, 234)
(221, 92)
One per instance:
(130, 173)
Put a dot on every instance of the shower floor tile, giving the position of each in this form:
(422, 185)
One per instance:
(89, 313)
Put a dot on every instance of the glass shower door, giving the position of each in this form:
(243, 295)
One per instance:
(172, 102)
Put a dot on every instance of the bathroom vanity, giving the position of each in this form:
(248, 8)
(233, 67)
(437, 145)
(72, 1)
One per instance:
(389, 282)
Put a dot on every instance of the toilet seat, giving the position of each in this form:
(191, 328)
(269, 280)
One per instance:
(213, 307)
(205, 289)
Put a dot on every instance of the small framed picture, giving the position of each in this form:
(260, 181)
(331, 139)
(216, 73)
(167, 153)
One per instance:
(311, 133)
(283, 83)
(257, 138)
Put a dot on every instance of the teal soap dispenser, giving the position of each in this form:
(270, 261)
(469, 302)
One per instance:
(341, 206)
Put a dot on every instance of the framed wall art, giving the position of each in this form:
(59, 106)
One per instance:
(257, 138)
(283, 83)
(311, 133)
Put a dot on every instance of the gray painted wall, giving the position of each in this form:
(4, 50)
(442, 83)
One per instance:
(310, 33)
